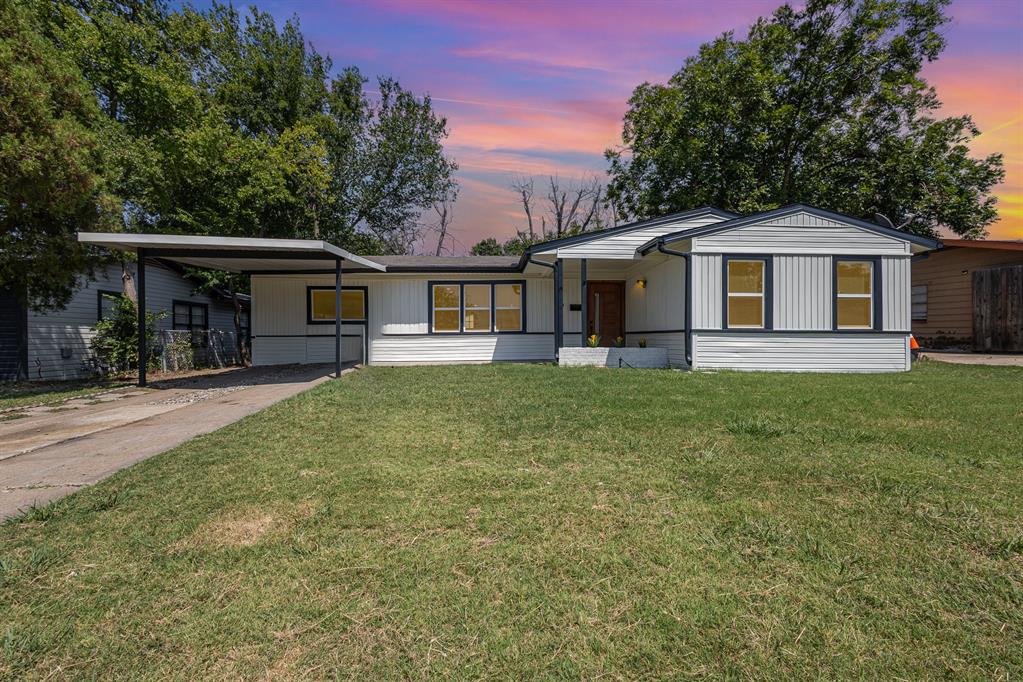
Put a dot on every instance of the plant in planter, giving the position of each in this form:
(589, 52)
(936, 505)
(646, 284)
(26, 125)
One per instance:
(642, 343)
(620, 342)
(593, 341)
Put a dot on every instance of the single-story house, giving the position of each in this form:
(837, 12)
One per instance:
(55, 345)
(969, 294)
(796, 288)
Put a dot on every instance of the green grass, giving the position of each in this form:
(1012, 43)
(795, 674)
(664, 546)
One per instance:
(525, 521)
(30, 393)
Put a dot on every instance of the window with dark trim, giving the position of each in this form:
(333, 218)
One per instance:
(746, 291)
(477, 307)
(105, 302)
(192, 317)
(857, 293)
(320, 302)
(919, 303)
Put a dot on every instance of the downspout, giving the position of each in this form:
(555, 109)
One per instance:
(687, 257)
(557, 302)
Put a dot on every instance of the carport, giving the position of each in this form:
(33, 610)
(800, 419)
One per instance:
(233, 254)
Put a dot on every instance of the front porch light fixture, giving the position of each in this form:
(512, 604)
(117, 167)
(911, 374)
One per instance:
(641, 282)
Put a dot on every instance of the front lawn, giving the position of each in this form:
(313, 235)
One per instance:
(526, 521)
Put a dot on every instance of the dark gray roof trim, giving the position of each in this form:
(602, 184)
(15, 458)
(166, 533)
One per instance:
(638, 225)
(781, 212)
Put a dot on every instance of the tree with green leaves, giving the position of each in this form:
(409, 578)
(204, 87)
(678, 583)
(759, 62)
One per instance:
(55, 175)
(825, 105)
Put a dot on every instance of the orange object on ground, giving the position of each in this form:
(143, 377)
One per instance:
(913, 345)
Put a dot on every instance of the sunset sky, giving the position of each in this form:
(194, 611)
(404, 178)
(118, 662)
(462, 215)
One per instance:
(531, 88)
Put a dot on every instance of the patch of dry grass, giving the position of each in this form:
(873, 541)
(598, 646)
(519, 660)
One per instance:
(524, 522)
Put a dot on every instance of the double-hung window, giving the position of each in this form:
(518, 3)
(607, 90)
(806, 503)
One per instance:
(508, 307)
(106, 301)
(746, 304)
(192, 317)
(447, 299)
(476, 307)
(476, 314)
(855, 293)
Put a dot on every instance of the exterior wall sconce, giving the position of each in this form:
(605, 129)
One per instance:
(641, 282)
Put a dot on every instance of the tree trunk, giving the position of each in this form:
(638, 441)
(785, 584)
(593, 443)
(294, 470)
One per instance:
(239, 341)
(128, 283)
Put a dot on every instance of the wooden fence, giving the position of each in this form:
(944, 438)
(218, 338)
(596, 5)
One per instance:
(998, 309)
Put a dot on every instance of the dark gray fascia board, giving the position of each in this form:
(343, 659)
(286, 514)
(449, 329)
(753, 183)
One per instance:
(784, 211)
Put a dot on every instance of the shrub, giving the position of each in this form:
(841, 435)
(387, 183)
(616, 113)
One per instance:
(593, 341)
(642, 343)
(116, 341)
(620, 342)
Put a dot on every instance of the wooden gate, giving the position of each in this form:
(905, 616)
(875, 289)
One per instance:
(998, 309)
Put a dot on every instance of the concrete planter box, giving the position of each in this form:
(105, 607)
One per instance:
(639, 358)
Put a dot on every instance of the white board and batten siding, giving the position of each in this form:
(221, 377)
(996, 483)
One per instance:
(802, 248)
(657, 311)
(280, 335)
(398, 325)
(622, 246)
(58, 341)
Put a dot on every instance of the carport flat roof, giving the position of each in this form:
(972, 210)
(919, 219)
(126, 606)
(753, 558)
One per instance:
(234, 254)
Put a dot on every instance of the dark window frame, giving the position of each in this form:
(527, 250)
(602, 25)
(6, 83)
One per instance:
(309, 304)
(99, 300)
(926, 289)
(190, 327)
(876, 294)
(768, 260)
(461, 306)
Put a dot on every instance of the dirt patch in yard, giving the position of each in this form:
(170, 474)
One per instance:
(244, 527)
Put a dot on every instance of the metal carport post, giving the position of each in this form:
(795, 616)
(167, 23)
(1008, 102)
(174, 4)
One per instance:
(337, 318)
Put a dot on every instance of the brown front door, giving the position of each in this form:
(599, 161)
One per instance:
(605, 311)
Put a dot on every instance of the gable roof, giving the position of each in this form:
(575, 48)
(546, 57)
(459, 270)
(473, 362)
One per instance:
(638, 225)
(787, 211)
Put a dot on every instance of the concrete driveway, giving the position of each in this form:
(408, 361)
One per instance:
(54, 450)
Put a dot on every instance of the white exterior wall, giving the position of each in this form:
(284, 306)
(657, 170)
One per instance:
(657, 312)
(802, 248)
(624, 245)
(801, 233)
(783, 352)
(68, 332)
(398, 324)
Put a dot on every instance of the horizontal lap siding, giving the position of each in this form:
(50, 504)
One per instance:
(624, 245)
(456, 348)
(801, 352)
(800, 234)
(948, 276)
(68, 332)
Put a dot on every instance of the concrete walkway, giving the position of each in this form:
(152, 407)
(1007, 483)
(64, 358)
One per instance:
(967, 358)
(54, 450)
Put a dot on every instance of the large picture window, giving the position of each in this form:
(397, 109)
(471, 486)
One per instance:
(854, 293)
(321, 305)
(477, 307)
(745, 293)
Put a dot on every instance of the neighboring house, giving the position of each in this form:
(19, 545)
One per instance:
(797, 289)
(970, 294)
(55, 345)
